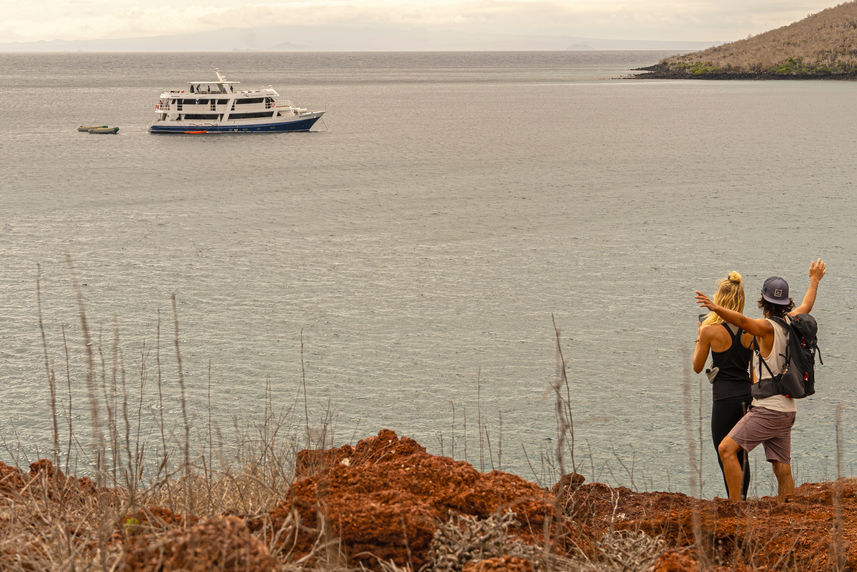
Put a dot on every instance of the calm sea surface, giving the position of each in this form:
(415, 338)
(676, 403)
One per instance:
(407, 257)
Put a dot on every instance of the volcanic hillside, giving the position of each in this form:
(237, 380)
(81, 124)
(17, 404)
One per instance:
(823, 45)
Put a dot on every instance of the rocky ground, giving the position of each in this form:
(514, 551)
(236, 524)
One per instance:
(385, 504)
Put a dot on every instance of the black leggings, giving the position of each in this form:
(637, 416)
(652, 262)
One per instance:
(725, 413)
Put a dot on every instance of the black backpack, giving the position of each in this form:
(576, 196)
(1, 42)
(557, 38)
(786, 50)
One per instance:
(797, 379)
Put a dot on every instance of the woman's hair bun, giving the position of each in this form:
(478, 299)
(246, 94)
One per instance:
(734, 277)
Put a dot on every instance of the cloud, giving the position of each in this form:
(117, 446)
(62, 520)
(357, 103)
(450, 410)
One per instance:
(618, 19)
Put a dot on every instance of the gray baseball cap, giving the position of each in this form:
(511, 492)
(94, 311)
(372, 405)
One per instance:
(776, 291)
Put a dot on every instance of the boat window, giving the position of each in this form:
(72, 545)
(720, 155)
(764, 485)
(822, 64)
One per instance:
(222, 101)
(199, 115)
(250, 115)
(250, 100)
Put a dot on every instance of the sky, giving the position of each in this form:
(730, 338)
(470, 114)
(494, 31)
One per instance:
(662, 20)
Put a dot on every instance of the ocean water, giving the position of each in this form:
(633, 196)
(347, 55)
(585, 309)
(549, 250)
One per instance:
(407, 260)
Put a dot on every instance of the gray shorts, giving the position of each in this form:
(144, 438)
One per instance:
(773, 429)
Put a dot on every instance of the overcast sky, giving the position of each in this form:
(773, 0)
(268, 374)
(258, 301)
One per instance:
(675, 20)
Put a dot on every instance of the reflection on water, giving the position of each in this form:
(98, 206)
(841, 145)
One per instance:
(418, 243)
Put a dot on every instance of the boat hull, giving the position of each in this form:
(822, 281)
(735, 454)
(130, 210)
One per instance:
(269, 127)
(104, 130)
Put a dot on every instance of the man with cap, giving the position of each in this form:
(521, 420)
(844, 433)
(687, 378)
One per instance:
(769, 420)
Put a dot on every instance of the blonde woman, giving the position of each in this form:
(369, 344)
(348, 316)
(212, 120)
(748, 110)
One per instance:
(731, 350)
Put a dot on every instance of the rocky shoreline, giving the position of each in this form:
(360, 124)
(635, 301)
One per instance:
(664, 70)
(386, 504)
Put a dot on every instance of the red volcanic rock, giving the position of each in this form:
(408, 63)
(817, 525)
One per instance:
(816, 530)
(367, 451)
(221, 543)
(602, 507)
(44, 478)
(504, 563)
(46, 468)
(384, 499)
(673, 560)
(11, 478)
(56, 479)
(568, 483)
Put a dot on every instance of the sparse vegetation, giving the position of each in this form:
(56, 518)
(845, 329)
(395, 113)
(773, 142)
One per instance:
(384, 504)
(823, 45)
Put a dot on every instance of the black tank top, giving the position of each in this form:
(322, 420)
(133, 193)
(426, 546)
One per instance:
(733, 379)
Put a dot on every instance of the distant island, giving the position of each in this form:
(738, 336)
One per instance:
(821, 46)
(345, 38)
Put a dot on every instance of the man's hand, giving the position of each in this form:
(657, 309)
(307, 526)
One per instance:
(817, 270)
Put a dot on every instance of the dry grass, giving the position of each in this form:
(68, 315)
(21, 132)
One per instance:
(49, 521)
(462, 539)
(147, 487)
(127, 514)
(139, 482)
(823, 44)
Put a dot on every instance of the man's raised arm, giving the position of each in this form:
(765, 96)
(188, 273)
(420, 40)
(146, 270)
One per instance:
(816, 272)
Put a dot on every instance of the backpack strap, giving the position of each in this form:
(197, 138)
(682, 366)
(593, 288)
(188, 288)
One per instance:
(761, 360)
(786, 323)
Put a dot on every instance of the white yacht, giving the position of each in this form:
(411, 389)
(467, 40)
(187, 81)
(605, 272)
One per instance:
(221, 107)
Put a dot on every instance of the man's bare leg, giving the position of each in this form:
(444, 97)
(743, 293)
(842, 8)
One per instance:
(728, 450)
(785, 483)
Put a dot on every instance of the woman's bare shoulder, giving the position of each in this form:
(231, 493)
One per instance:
(713, 331)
